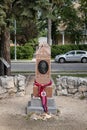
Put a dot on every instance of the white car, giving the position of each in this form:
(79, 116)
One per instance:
(72, 56)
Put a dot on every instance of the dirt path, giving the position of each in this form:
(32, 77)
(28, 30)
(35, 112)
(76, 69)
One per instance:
(73, 114)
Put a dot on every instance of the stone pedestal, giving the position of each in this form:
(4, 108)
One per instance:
(42, 79)
(35, 105)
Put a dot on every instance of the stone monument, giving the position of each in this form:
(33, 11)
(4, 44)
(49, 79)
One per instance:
(42, 99)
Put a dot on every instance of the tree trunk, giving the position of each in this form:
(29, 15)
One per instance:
(49, 26)
(1, 55)
(5, 51)
(49, 32)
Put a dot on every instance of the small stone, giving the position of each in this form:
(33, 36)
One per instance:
(21, 77)
(58, 93)
(72, 91)
(15, 81)
(12, 90)
(34, 117)
(85, 94)
(43, 116)
(48, 116)
(2, 90)
(71, 86)
(4, 95)
(22, 88)
(8, 82)
(59, 87)
(64, 92)
(21, 83)
(20, 94)
(82, 88)
(78, 95)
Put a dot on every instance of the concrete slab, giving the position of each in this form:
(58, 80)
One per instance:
(35, 105)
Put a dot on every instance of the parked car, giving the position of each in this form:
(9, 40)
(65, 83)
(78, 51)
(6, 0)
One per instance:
(72, 56)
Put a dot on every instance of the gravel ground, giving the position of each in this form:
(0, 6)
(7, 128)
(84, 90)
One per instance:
(72, 116)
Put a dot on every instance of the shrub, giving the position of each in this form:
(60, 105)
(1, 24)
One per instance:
(33, 43)
(23, 52)
(12, 52)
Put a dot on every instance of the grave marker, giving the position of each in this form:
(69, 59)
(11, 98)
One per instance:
(42, 100)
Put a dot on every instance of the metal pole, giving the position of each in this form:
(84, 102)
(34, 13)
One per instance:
(63, 38)
(15, 39)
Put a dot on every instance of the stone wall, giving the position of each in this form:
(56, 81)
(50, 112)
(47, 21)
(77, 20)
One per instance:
(65, 85)
(12, 86)
(71, 86)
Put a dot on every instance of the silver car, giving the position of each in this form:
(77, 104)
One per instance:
(72, 56)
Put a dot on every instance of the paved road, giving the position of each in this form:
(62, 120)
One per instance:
(69, 67)
(56, 67)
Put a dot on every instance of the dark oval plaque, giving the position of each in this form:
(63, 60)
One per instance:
(43, 67)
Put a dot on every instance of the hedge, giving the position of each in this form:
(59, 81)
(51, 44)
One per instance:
(27, 51)
(61, 49)
(23, 52)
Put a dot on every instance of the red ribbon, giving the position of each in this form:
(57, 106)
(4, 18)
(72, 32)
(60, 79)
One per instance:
(42, 93)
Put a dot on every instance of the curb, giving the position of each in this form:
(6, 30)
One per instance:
(26, 61)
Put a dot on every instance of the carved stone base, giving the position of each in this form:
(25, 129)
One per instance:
(35, 105)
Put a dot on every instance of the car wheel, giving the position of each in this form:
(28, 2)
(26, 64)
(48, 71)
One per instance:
(84, 60)
(61, 60)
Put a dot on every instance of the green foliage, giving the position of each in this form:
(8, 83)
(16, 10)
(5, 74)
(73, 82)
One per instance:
(12, 52)
(25, 33)
(61, 49)
(33, 43)
(82, 97)
(23, 52)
